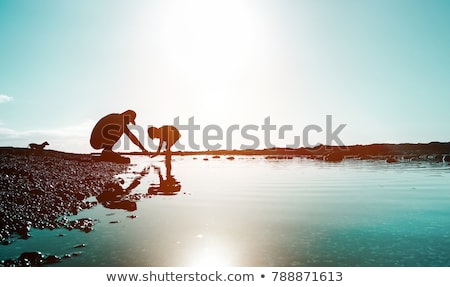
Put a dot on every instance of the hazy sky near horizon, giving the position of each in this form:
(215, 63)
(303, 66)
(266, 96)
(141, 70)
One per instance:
(380, 67)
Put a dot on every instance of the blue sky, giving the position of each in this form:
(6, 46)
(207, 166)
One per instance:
(380, 67)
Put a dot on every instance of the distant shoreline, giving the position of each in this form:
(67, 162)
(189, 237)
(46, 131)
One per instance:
(434, 151)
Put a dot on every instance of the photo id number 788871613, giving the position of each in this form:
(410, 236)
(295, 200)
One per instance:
(306, 276)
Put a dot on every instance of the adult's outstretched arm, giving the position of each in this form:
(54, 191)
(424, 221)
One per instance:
(134, 139)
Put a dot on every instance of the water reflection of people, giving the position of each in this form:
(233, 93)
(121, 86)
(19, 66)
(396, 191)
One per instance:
(168, 185)
(114, 197)
(166, 134)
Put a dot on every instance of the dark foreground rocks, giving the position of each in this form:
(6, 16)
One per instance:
(35, 259)
(38, 189)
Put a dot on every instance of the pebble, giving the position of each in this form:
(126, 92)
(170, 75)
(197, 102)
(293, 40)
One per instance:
(80, 245)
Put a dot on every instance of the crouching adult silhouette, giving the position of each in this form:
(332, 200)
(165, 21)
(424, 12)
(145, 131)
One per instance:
(108, 131)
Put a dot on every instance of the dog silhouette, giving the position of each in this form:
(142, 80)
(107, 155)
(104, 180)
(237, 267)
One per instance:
(38, 146)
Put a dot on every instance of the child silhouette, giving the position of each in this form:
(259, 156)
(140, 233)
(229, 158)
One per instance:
(165, 134)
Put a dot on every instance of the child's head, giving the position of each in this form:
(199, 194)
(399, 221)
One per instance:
(153, 132)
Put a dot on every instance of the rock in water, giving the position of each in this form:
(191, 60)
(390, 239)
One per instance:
(391, 160)
(35, 258)
(80, 245)
(52, 259)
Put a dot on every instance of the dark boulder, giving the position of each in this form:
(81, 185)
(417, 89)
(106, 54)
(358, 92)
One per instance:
(34, 258)
(52, 259)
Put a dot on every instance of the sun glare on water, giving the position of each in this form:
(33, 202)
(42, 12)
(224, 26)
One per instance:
(209, 252)
(210, 257)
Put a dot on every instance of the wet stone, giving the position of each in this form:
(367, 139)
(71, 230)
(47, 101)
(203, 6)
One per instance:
(34, 258)
(52, 259)
(83, 224)
(6, 242)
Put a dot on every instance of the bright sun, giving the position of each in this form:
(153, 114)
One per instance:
(209, 34)
(211, 45)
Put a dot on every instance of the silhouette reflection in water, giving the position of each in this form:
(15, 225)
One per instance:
(168, 185)
(115, 196)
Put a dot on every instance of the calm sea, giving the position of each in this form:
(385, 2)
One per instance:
(253, 211)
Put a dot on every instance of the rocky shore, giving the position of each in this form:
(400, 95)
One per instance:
(38, 189)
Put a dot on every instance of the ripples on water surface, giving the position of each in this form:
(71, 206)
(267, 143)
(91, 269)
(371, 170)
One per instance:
(259, 212)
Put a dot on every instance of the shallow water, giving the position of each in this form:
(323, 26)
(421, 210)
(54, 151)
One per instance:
(259, 212)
